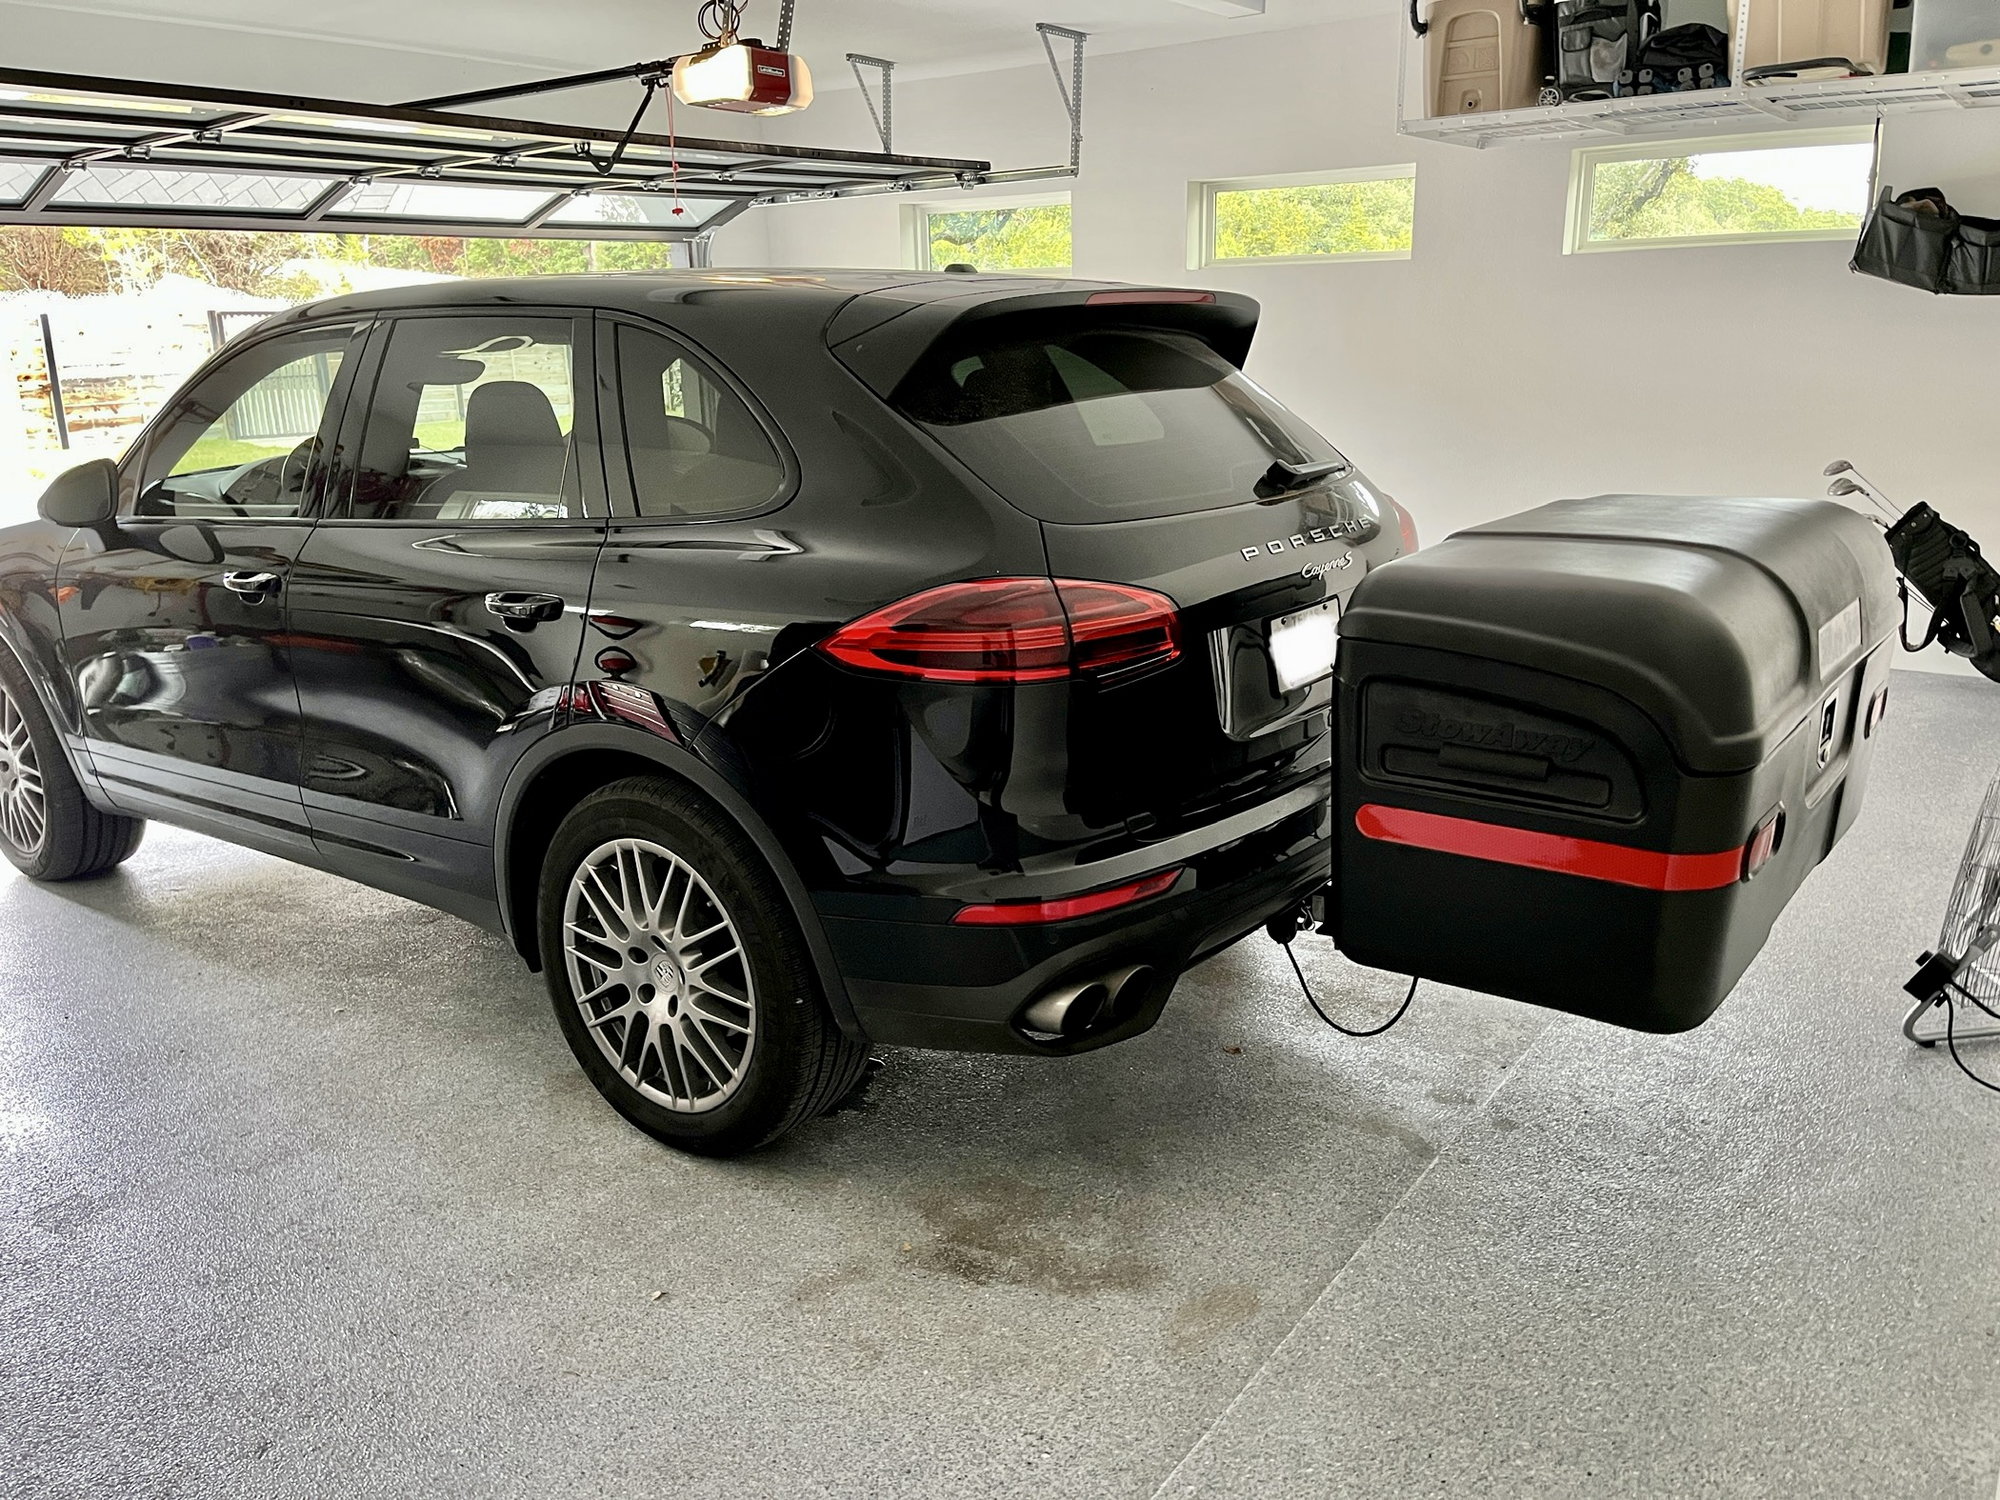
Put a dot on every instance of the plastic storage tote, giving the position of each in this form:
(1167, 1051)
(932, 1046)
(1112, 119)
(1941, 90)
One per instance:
(1481, 55)
(1589, 753)
(1955, 34)
(1795, 31)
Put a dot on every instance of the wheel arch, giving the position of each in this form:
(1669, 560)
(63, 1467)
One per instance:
(18, 655)
(567, 766)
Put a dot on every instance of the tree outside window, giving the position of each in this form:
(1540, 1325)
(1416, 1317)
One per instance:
(1365, 214)
(1731, 194)
(1026, 237)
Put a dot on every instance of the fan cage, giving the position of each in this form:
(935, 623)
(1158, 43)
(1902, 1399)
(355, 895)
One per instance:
(1975, 904)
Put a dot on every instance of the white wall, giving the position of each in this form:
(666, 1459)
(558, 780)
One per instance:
(1490, 371)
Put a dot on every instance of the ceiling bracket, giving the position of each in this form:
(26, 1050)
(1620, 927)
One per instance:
(1072, 90)
(885, 117)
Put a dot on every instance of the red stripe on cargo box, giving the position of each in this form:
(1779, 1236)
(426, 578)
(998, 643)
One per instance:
(1618, 863)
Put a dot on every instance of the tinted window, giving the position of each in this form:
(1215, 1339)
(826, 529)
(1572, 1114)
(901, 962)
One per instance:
(1106, 423)
(472, 419)
(242, 444)
(694, 447)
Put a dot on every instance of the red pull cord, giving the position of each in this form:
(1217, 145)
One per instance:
(674, 152)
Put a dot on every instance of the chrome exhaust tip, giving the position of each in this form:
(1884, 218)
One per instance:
(1069, 1011)
(1128, 989)
(1076, 1010)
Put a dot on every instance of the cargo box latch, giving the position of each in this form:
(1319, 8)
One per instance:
(1829, 722)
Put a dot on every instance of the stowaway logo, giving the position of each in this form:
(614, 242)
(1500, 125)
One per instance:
(1564, 749)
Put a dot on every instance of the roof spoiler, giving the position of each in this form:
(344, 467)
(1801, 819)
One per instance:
(882, 337)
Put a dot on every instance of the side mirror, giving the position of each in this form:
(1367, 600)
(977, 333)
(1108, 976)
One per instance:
(85, 496)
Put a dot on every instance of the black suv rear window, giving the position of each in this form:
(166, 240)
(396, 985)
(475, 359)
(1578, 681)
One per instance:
(1105, 423)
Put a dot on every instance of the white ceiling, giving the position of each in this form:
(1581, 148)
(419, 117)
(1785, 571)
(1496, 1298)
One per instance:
(928, 37)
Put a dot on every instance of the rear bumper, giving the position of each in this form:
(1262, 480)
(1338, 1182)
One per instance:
(917, 983)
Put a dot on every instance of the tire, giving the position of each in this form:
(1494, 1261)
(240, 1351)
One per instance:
(48, 829)
(679, 975)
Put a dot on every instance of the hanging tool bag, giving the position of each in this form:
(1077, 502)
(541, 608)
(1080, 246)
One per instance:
(1681, 60)
(1599, 43)
(1918, 239)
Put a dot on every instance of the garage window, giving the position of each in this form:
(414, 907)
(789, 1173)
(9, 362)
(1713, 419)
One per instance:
(18, 179)
(1732, 191)
(1367, 213)
(1028, 236)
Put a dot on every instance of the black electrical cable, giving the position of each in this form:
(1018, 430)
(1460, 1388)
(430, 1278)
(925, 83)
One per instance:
(1951, 1041)
(718, 20)
(1313, 1001)
(1954, 984)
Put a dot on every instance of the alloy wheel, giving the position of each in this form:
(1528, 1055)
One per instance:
(24, 804)
(658, 970)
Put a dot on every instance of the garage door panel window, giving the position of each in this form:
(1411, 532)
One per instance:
(1033, 238)
(1362, 214)
(473, 419)
(695, 447)
(243, 444)
(1721, 192)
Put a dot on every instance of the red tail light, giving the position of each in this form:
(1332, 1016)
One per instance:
(1409, 524)
(1013, 630)
(1021, 913)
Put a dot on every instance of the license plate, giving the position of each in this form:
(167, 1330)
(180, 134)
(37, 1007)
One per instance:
(1303, 645)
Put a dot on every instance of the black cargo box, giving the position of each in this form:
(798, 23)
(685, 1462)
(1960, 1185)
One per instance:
(1591, 751)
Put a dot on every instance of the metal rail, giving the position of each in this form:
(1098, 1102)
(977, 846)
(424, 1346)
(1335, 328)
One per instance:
(139, 138)
(139, 135)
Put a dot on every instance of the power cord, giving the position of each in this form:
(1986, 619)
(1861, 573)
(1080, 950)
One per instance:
(1286, 926)
(1951, 1034)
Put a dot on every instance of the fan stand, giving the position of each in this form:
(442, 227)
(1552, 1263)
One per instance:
(1933, 988)
(1930, 1036)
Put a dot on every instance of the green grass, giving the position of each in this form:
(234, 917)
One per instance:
(216, 451)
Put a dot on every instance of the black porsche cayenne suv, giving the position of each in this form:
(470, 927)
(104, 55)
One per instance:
(784, 662)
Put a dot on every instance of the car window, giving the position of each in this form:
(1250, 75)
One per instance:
(695, 447)
(1105, 422)
(472, 419)
(241, 444)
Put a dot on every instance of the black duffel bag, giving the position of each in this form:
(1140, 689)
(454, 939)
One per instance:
(1680, 60)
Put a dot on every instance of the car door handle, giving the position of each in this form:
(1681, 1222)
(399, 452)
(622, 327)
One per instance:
(252, 586)
(527, 609)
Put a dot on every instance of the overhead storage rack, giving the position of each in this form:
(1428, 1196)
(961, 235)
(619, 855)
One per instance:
(1741, 108)
(1770, 106)
(106, 151)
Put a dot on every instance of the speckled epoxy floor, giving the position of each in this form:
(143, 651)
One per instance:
(303, 1196)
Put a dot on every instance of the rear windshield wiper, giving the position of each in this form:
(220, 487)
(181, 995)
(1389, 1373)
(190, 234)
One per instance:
(1283, 479)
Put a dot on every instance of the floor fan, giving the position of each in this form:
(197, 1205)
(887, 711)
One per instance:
(1957, 989)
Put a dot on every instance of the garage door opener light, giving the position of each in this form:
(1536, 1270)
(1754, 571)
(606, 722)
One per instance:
(746, 77)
